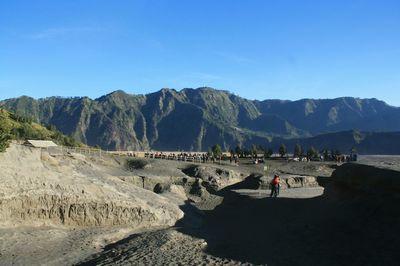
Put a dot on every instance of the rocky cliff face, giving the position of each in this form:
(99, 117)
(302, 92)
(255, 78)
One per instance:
(195, 119)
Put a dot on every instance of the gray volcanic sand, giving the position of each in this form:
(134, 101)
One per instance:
(60, 209)
(304, 226)
(382, 161)
(236, 225)
(324, 230)
(53, 245)
(183, 244)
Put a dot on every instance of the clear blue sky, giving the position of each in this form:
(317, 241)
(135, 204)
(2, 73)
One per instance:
(256, 49)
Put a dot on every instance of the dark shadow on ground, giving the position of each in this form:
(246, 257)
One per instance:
(107, 253)
(193, 218)
(251, 182)
(341, 227)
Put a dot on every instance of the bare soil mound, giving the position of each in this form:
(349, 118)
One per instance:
(215, 177)
(164, 247)
(73, 190)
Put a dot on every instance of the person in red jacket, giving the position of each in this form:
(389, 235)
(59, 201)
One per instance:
(275, 185)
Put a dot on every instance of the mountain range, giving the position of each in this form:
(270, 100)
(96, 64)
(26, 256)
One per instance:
(195, 119)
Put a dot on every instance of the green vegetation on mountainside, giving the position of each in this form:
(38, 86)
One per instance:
(16, 127)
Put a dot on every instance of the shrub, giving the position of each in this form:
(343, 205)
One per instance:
(4, 140)
(282, 150)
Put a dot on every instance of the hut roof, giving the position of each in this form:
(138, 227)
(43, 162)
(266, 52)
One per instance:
(40, 143)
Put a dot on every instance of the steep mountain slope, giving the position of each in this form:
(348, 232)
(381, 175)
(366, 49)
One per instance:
(364, 142)
(317, 116)
(15, 127)
(194, 119)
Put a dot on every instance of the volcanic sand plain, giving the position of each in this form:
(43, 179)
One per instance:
(74, 209)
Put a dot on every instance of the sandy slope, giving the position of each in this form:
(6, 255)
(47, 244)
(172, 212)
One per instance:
(334, 225)
(58, 204)
(338, 224)
(73, 191)
(189, 243)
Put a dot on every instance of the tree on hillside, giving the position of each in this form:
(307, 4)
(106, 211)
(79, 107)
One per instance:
(51, 127)
(312, 153)
(298, 151)
(209, 152)
(21, 119)
(216, 150)
(353, 150)
(4, 132)
(282, 150)
(238, 151)
(325, 153)
(253, 151)
(246, 152)
(336, 152)
(69, 141)
(4, 139)
(268, 152)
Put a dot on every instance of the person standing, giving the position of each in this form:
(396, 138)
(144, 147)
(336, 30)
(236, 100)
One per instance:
(275, 185)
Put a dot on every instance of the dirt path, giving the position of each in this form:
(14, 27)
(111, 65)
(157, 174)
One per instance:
(186, 244)
(302, 227)
(54, 246)
(164, 247)
(297, 193)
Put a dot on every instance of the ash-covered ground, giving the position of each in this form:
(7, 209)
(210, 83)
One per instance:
(74, 209)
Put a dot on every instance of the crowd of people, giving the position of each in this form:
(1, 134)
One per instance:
(183, 156)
